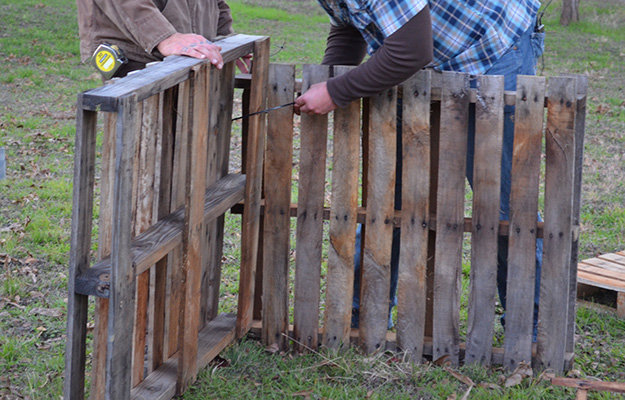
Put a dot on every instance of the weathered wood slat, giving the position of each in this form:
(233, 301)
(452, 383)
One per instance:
(411, 288)
(192, 231)
(163, 237)
(340, 273)
(376, 267)
(223, 121)
(580, 122)
(179, 173)
(144, 199)
(450, 210)
(84, 179)
(604, 270)
(277, 187)
(528, 120)
(559, 176)
(313, 137)
(486, 188)
(250, 224)
(605, 282)
(167, 124)
(105, 228)
(613, 258)
(160, 76)
(122, 304)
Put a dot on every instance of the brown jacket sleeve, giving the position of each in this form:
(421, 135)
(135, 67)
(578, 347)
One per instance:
(139, 20)
(403, 53)
(224, 26)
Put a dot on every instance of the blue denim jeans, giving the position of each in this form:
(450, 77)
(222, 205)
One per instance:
(520, 59)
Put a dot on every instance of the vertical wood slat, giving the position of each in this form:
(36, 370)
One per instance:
(277, 187)
(374, 299)
(486, 193)
(144, 218)
(344, 202)
(179, 173)
(254, 165)
(122, 299)
(221, 94)
(528, 121)
(450, 216)
(167, 125)
(559, 178)
(580, 122)
(411, 288)
(309, 231)
(105, 231)
(193, 227)
(84, 180)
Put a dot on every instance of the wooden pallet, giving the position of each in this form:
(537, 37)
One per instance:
(604, 275)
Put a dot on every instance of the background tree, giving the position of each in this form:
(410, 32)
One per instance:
(570, 12)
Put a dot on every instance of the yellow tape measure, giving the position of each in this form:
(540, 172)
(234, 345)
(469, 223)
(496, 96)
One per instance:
(107, 59)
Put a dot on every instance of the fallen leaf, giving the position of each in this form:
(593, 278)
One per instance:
(443, 361)
(462, 378)
(47, 312)
(488, 385)
(523, 370)
(272, 348)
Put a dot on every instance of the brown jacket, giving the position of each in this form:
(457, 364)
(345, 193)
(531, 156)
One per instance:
(138, 26)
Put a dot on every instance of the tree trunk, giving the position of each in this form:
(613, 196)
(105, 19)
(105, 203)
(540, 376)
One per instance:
(570, 12)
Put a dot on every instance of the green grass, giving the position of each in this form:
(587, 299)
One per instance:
(40, 75)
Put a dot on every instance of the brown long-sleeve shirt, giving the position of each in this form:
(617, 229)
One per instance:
(138, 26)
(403, 53)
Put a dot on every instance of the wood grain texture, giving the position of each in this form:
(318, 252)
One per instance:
(105, 229)
(486, 189)
(254, 171)
(580, 122)
(122, 299)
(450, 209)
(343, 211)
(144, 198)
(221, 131)
(528, 127)
(379, 233)
(276, 225)
(311, 190)
(411, 289)
(80, 243)
(559, 178)
(192, 231)
(179, 173)
(167, 121)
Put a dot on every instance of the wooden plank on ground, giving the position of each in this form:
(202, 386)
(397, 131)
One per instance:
(613, 258)
(559, 175)
(277, 187)
(486, 189)
(450, 215)
(344, 202)
(192, 231)
(411, 289)
(603, 268)
(376, 267)
(528, 128)
(214, 337)
(254, 171)
(311, 191)
(580, 121)
(84, 180)
(122, 305)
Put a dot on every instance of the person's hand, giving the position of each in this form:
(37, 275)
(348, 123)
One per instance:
(244, 64)
(192, 45)
(316, 100)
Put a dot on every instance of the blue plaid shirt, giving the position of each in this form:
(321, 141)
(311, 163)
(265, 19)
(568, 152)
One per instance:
(469, 35)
